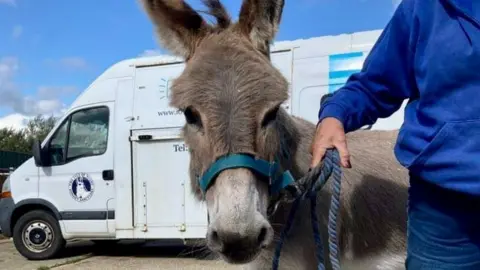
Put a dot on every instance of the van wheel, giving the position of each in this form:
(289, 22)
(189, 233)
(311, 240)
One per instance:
(37, 235)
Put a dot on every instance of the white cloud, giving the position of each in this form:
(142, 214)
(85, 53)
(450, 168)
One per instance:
(73, 62)
(8, 89)
(48, 92)
(46, 100)
(48, 106)
(17, 31)
(16, 121)
(34, 106)
(8, 67)
(148, 53)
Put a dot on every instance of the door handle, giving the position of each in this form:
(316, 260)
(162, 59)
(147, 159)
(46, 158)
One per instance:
(107, 175)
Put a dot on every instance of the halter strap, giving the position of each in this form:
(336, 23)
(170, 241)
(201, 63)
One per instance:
(276, 183)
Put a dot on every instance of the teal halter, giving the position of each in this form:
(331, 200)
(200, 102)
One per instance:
(277, 180)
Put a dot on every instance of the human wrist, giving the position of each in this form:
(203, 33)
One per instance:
(332, 110)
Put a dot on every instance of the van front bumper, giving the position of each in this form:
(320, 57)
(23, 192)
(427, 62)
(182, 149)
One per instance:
(6, 210)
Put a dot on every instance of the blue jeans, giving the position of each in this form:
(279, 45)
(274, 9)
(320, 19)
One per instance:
(443, 229)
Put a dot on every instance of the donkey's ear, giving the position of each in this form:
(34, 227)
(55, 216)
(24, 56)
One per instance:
(179, 28)
(259, 19)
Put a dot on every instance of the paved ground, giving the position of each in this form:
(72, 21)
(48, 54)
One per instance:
(84, 255)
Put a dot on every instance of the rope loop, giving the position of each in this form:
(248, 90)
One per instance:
(308, 187)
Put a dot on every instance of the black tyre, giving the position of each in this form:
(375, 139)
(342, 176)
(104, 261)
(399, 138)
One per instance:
(37, 235)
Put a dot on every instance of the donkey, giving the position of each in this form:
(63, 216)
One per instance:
(231, 96)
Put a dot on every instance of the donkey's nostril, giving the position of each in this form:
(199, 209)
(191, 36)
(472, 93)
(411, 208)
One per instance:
(215, 241)
(215, 236)
(261, 237)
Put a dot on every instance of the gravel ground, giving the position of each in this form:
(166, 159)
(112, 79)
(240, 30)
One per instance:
(138, 256)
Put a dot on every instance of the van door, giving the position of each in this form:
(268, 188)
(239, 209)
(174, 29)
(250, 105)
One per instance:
(160, 164)
(79, 178)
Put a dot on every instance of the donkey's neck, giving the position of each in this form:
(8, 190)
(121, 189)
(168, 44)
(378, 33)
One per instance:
(295, 139)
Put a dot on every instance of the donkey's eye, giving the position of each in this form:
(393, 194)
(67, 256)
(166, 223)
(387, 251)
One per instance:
(192, 117)
(270, 116)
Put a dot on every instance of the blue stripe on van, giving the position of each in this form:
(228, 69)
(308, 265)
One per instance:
(341, 66)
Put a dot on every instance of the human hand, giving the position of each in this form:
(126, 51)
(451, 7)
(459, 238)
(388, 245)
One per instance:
(330, 134)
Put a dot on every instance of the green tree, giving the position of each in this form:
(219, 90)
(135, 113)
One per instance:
(13, 140)
(22, 140)
(38, 128)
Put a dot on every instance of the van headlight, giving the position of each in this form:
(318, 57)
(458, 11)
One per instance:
(6, 189)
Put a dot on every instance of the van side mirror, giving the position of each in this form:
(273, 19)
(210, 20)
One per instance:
(37, 153)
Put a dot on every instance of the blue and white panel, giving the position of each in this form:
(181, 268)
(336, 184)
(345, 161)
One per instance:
(341, 66)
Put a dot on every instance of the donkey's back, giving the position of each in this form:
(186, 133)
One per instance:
(373, 216)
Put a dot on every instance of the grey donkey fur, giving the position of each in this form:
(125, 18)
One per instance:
(231, 95)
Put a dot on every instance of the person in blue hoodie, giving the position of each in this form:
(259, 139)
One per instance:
(428, 54)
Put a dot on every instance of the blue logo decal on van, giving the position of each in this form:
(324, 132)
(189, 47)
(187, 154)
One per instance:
(81, 187)
(341, 67)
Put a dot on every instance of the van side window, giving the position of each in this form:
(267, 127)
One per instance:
(83, 134)
(88, 133)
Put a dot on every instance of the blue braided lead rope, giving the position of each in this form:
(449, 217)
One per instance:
(333, 213)
(285, 232)
(330, 166)
(316, 233)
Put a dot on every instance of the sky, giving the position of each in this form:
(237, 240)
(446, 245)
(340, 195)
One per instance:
(51, 50)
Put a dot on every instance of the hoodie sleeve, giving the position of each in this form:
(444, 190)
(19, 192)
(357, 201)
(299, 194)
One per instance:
(386, 78)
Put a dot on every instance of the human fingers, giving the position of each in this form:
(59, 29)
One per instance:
(341, 145)
(318, 152)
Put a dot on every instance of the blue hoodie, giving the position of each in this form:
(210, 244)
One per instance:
(429, 53)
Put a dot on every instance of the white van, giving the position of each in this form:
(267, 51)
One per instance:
(115, 166)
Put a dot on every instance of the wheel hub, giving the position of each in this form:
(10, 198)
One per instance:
(37, 236)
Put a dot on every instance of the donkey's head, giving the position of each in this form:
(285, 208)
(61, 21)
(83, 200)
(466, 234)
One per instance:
(231, 95)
